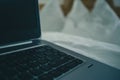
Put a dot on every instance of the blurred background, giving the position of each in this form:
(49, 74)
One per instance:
(92, 19)
(66, 5)
(88, 27)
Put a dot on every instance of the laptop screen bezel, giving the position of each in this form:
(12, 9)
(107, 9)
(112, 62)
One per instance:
(37, 35)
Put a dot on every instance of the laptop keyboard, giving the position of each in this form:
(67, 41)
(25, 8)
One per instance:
(40, 63)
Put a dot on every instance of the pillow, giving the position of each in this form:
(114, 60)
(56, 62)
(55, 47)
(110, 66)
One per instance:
(104, 19)
(98, 24)
(52, 18)
(75, 17)
(116, 3)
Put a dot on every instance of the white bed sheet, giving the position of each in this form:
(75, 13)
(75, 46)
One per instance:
(104, 52)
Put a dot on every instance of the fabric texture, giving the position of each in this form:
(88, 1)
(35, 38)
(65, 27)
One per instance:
(52, 18)
(116, 3)
(98, 24)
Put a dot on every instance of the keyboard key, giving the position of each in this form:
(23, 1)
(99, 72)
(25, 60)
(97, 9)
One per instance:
(26, 76)
(46, 67)
(36, 71)
(46, 76)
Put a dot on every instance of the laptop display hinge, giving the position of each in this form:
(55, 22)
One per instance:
(16, 44)
(36, 41)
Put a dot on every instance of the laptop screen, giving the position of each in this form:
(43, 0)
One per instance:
(19, 21)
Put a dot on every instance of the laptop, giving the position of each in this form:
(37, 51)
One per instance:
(25, 56)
